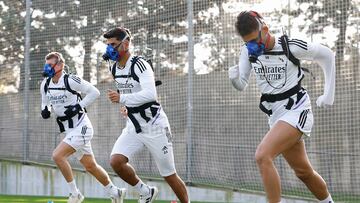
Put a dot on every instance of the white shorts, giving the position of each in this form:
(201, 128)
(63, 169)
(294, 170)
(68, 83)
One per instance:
(303, 120)
(299, 116)
(157, 139)
(79, 138)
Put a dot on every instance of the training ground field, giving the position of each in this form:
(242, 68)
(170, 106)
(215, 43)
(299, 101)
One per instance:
(35, 199)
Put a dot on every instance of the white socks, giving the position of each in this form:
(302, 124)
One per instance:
(72, 187)
(327, 200)
(142, 188)
(111, 189)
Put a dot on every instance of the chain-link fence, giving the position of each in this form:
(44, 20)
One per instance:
(216, 128)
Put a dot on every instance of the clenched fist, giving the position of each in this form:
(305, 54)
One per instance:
(233, 72)
(123, 111)
(113, 96)
(324, 101)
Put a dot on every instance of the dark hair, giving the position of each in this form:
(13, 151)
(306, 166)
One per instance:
(59, 57)
(248, 22)
(119, 33)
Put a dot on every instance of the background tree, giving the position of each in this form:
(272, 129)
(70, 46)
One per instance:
(11, 42)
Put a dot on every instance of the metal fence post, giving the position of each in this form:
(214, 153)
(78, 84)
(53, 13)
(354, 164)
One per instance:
(189, 91)
(289, 21)
(26, 84)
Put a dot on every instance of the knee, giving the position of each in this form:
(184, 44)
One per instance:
(116, 161)
(262, 158)
(90, 167)
(172, 178)
(57, 157)
(304, 174)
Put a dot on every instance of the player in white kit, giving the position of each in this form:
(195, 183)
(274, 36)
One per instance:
(147, 124)
(275, 63)
(61, 92)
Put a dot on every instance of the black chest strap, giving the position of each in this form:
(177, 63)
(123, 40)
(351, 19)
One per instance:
(134, 60)
(61, 119)
(138, 61)
(282, 96)
(66, 84)
(67, 87)
(154, 107)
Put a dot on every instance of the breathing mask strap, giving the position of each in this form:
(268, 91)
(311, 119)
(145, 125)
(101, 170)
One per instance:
(123, 52)
(57, 62)
(267, 40)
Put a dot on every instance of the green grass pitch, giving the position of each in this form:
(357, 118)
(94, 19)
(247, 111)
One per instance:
(41, 199)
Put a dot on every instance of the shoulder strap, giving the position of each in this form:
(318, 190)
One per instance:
(67, 86)
(150, 62)
(134, 60)
(46, 86)
(285, 46)
(142, 67)
(113, 70)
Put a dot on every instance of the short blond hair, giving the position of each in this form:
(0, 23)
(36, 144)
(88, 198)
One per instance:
(56, 55)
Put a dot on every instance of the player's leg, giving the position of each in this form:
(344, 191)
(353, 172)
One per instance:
(178, 186)
(159, 143)
(120, 165)
(81, 141)
(281, 137)
(298, 160)
(126, 172)
(78, 139)
(91, 166)
(125, 146)
(60, 156)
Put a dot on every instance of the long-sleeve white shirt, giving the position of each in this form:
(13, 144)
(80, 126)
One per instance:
(58, 97)
(277, 69)
(136, 93)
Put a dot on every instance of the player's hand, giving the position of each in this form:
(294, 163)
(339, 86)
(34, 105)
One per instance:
(113, 96)
(72, 110)
(45, 113)
(124, 111)
(233, 72)
(323, 101)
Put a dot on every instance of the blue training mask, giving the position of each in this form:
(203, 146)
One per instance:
(111, 53)
(48, 71)
(255, 49)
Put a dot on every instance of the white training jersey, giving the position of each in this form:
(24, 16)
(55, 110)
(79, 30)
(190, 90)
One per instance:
(136, 93)
(58, 97)
(274, 72)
